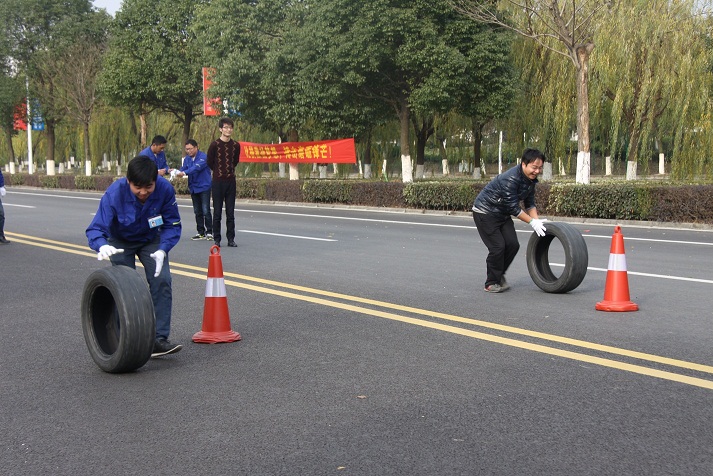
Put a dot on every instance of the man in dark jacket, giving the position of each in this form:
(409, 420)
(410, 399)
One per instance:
(492, 211)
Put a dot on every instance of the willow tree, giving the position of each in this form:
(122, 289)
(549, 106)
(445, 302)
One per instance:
(653, 65)
(75, 65)
(544, 113)
(567, 27)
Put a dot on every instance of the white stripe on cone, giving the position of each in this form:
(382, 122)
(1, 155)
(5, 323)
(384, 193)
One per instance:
(617, 262)
(215, 287)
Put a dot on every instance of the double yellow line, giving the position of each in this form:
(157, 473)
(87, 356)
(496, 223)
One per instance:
(383, 310)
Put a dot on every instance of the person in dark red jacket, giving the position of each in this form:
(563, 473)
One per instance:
(223, 157)
(492, 211)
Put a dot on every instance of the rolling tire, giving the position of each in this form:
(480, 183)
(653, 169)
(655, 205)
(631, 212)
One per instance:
(118, 319)
(576, 258)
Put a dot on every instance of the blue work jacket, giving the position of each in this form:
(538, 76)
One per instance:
(198, 172)
(159, 158)
(121, 215)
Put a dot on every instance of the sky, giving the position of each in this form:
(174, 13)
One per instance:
(111, 6)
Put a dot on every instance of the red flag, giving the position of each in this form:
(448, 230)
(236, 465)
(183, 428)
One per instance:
(211, 106)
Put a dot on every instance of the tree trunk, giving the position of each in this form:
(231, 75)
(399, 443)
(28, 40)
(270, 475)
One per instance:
(477, 142)
(406, 166)
(87, 155)
(366, 158)
(583, 154)
(423, 133)
(444, 155)
(142, 118)
(49, 138)
(293, 136)
(187, 120)
(8, 140)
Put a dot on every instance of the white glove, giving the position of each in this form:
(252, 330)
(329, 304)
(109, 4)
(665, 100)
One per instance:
(158, 256)
(2, 191)
(174, 172)
(107, 250)
(538, 226)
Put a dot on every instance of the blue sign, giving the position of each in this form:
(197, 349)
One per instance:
(38, 122)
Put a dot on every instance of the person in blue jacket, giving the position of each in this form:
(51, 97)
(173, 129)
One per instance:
(492, 211)
(195, 167)
(138, 216)
(155, 152)
(3, 240)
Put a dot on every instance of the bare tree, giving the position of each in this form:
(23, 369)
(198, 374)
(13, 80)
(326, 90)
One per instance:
(76, 71)
(566, 27)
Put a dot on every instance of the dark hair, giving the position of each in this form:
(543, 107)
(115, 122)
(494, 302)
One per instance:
(158, 140)
(141, 171)
(192, 142)
(224, 121)
(531, 155)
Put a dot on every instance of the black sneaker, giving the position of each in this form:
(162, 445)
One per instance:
(4, 240)
(164, 347)
(198, 237)
(217, 243)
(209, 236)
(232, 244)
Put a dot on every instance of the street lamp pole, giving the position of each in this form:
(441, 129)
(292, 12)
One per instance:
(30, 167)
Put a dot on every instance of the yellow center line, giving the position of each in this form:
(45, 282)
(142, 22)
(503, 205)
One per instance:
(638, 369)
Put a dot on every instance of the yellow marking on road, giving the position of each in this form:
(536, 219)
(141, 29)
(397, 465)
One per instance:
(638, 369)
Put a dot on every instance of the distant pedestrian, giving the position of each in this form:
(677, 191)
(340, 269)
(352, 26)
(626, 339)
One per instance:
(138, 217)
(195, 167)
(155, 152)
(492, 211)
(3, 240)
(223, 157)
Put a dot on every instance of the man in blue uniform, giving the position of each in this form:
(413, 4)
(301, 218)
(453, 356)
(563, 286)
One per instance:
(155, 152)
(195, 167)
(138, 216)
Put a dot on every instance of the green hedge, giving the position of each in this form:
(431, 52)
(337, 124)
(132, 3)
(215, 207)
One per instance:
(640, 200)
(611, 200)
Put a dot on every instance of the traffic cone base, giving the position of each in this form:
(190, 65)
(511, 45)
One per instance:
(616, 306)
(216, 317)
(616, 290)
(201, 337)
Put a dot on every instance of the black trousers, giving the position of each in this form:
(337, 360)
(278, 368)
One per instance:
(224, 192)
(498, 234)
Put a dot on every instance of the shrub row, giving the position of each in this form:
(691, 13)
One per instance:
(610, 200)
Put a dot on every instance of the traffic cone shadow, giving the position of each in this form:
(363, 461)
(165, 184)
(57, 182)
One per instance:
(616, 290)
(216, 317)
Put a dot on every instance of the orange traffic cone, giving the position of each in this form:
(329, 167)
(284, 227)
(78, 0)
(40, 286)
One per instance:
(216, 318)
(616, 291)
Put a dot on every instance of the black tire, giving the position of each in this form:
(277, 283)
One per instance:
(118, 319)
(575, 254)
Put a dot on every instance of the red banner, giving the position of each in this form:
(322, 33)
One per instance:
(211, 106)
(340, 151)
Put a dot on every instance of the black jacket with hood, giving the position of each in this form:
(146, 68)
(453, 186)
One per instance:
(503, 194)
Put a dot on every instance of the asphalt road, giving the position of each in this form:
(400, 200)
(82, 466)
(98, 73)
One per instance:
(369, 348)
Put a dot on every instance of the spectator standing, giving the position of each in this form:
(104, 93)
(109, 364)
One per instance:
(223, 157)
(155, 152)
(195, 167)
(138, 216)
(3, 240)
(492, 211)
